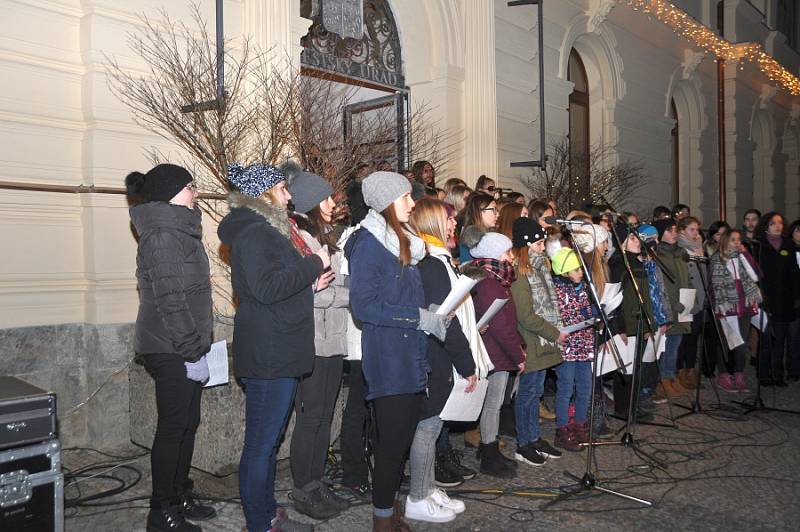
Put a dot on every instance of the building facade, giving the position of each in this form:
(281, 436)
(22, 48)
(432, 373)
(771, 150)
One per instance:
(614, 76)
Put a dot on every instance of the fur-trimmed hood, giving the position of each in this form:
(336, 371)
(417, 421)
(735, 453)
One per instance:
(471, 235)
(473, 271)
(246, 211)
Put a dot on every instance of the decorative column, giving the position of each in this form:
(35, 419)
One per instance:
(276, 27)
(480, 103)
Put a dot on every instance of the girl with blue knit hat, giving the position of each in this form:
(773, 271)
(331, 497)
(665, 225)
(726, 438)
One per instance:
(272, 274)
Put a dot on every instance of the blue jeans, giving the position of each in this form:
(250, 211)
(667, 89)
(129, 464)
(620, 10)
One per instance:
(267, 406)
(526, 406)
(573, 377)
(669, 359)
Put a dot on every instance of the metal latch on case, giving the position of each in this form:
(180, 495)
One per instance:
(15, 488)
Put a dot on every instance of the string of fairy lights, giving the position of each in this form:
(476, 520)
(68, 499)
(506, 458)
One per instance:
(687, 27)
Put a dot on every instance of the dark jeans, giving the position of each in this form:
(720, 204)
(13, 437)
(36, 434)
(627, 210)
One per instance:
(687, 352)
(526, 406)
(355, 422)
(793, 362)
(770, 361)
(737, 357)
(178, 405)
(396, 418)
(313, 407)
(268, 403)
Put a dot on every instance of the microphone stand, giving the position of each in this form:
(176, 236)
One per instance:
(696, 407)
(589, 481)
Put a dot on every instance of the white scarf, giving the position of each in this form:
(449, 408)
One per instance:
(465, 313)
(377, 226)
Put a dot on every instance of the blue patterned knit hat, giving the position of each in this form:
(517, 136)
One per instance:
(255, 179)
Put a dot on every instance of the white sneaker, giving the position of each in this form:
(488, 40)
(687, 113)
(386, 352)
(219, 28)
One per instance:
(428, 510)
(441, 498)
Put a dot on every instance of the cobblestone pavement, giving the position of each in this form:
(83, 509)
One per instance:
(724, 471)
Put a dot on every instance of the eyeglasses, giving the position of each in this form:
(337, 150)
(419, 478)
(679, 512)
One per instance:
(488, 209)
(191, 186)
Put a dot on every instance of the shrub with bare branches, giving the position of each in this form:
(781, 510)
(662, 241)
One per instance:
(564, 177)
(270, 112)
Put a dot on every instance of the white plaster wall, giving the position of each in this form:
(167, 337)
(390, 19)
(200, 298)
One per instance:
(635, 65)
(69, 258)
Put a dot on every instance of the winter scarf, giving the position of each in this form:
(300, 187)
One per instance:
(661, 307)
(727, 295)
(692, 247)
(543, 293)
(377, 226)
(465, 313)
(776, 241)
(503, 271)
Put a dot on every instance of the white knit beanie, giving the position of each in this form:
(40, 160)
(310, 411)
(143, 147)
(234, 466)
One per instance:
(491, 246)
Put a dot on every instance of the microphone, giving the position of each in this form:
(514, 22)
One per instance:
(552, 220)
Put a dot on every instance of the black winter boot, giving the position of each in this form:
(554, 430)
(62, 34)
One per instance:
(493, 463)
(169, 519)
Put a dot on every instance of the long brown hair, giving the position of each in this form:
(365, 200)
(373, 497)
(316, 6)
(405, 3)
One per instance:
(313, 223)
(399, 229)
(522, 260)
(600, 273)
(508, 214)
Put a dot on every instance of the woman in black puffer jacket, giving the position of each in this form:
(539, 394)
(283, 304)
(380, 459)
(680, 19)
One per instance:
(173, 332)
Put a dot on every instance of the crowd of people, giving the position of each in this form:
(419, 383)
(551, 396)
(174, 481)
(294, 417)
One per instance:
(331, 286)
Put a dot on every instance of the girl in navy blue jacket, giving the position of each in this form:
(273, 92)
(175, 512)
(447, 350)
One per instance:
(387, 296)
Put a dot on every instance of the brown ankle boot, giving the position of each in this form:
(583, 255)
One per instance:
(472, 437)
(382, 524)
(397, 518)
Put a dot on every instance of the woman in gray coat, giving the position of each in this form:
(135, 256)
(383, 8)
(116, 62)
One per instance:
(173, 332)
(317, 391)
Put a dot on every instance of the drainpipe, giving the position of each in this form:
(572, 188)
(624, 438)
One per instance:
(721, 113)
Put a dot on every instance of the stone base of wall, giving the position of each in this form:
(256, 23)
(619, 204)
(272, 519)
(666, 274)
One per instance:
(220, 437)
(74, 361)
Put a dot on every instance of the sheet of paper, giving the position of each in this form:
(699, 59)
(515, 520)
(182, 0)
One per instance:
(654, 348)
(610, 291)
(490, 313)
(760, 321)
(613, 304)
(217, 359)
(463, 406)
(730, 328)
(605, 356)
(457, 294)
(569, 329)
(686, 297)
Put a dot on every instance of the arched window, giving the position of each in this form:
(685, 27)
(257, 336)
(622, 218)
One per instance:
(579, 162)
(357, 41)
(675, 158)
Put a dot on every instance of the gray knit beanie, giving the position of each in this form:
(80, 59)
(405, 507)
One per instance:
(491, 246)
(308, 190)
(380, 189)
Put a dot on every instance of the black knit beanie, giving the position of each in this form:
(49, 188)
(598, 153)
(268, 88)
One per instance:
(161, 183)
